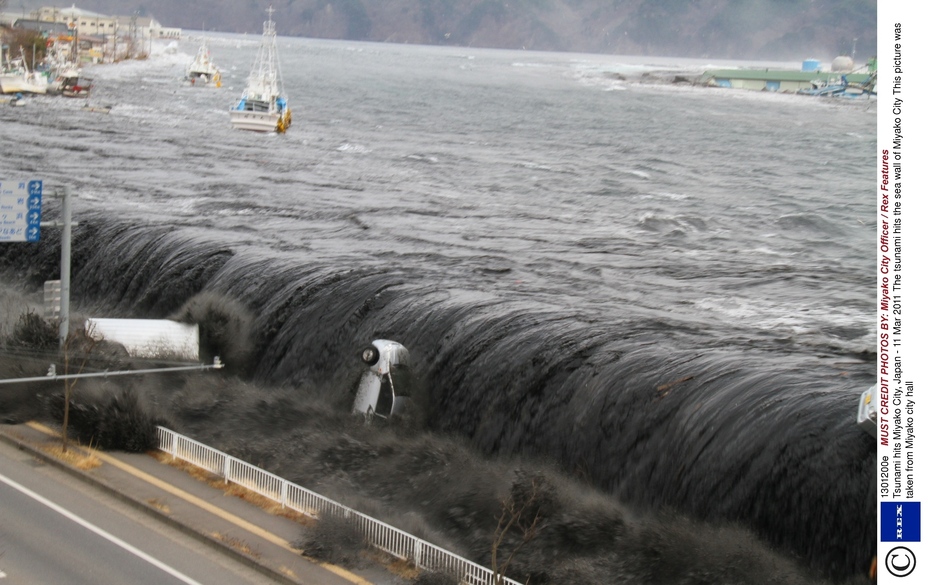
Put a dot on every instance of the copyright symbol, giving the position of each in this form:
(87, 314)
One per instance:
(900, 561)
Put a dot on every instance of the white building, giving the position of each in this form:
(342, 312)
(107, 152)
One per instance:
(90, 23)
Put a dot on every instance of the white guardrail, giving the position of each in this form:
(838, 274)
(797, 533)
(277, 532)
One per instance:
(423, 555)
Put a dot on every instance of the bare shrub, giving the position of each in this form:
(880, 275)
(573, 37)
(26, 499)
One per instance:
(112, 421)
(435, 579)
(34, 332)
(333, 540)
(28, 44)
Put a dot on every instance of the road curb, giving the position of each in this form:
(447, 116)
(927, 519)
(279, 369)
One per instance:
(103, 486)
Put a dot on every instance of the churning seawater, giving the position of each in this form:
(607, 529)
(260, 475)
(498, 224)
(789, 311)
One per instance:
(663, 290)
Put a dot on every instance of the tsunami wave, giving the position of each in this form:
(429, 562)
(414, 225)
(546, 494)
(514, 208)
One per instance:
(727, 434)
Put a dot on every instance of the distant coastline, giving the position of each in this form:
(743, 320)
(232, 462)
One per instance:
(707, 29)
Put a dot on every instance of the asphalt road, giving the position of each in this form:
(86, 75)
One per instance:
(57, 529)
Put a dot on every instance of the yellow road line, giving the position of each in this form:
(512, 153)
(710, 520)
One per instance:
(264, 534)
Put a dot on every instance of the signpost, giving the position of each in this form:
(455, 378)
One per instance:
(20, 210)
(20, 219)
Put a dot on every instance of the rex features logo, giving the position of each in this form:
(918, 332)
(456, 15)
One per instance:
(900, 561)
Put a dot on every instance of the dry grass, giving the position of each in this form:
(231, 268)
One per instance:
(192, 470)
(232, 489)
(265, 503)
(76, 457)
(236, 543)
(158, 505)
(402, 567)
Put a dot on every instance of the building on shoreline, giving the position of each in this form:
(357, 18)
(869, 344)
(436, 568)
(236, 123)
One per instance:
(88, 23)
(97, 37)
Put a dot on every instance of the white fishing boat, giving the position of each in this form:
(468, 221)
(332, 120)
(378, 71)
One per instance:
(263, 107)
(77, 86)
(17, 78)
(203, 68)
(66, 79)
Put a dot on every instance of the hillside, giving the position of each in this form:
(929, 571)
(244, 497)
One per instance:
(737, 29)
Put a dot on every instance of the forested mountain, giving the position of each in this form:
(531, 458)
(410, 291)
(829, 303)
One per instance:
(738, 29)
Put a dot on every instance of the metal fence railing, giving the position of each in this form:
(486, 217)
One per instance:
(422, 554)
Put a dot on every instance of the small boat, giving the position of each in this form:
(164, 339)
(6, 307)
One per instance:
(77, 86)
(17, 78)
(263, 106)
(867, 412)
(203, 68)
(843, 88)
(98, 109)
(69, 82)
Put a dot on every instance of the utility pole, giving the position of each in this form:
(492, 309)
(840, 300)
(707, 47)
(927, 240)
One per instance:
(65, 264)
(132, 47)
(63, 326)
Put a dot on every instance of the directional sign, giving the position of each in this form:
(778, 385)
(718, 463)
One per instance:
(20, 210)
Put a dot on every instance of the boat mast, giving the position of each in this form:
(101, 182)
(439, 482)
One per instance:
(265, 76)
(274, 57)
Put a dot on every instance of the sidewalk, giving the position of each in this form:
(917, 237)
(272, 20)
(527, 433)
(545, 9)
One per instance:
(242, 530)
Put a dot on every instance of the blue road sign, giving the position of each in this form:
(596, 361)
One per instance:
(20, 210)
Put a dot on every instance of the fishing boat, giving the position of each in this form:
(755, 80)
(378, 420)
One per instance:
(17, 78)
(67, 80)
(263, 107)
(203, 68)
(843, 88)
(77, 86)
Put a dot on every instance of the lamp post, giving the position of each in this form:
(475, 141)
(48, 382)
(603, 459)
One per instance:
(133, 47)
(73, 30)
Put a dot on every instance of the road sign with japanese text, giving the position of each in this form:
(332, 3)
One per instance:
(20, 210)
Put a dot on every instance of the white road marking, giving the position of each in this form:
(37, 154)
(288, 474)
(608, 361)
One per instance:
(99, 531)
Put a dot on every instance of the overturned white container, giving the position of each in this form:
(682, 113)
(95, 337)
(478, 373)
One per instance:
(148, 338)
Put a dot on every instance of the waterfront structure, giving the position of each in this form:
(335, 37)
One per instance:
(89, 23)
(776, 79)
